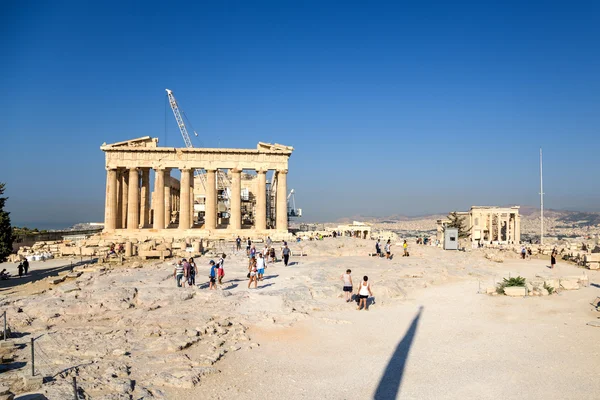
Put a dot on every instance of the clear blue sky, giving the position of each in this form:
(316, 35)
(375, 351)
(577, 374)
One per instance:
(392, 107)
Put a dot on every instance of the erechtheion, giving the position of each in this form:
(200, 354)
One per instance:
(489, 224)
(193, 205)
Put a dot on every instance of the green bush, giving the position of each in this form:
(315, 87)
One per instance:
(550, 289)
(516, 281)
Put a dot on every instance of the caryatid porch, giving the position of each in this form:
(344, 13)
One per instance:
(128, 197)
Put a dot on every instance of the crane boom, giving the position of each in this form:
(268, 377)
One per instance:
(182, 128)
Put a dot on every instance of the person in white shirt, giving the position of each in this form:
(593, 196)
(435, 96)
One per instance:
(364, 292)
(260, 266)
(347, 279)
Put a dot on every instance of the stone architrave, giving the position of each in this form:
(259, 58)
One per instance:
(282, 212)
(210, 213)
(260, 222)
(133, 212)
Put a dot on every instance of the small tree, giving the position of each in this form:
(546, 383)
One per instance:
(458, 222)
(6, 233)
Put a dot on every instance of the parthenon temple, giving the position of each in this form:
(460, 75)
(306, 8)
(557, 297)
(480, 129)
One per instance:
(221, 192)
(489, 224)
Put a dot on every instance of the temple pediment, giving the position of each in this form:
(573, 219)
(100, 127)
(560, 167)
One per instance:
(144, 141)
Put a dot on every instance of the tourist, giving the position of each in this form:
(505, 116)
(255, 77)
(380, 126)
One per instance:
(20, 268)
(405, 245)
(285, 253)
(4, 275)
(25, 266)
(260, 267)
(112, 252)
(248, 246)
(553, 258)
(347, 279)
(178, 273)
(253, 251)
(238, 243)
(186, 271)
(523, 252)
(388, 250)
(266, 254)
(378, 248)
(269, 241)
(252, 271)
(193, 272)
(221, 270)
(364, 292)
(272, 254)
(213, 273)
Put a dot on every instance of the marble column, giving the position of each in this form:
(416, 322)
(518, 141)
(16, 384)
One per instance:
(110, 210)
(159, 203)
(210, 206)
(184, 211)
(490, 227)
(167, 197)
(512, 227)
(145, 198)
(133, 212)
(124, 197)
(499, 226)
(517, 228)
(260, 218)
(192, 212)
(282, 212)
(235, 219)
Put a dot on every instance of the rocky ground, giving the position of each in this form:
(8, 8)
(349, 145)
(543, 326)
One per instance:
(129, 333)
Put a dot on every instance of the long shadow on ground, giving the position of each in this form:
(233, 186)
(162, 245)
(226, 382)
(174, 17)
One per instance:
(389, 385)
(36, 275)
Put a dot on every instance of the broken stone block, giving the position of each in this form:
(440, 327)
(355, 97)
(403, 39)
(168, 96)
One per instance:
(544, 292)
(56, 281)
(515, 291)
(490, 290)
(569, 284)
(553, 283)
(32, 382)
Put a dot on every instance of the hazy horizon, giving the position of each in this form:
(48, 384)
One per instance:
(391, 108)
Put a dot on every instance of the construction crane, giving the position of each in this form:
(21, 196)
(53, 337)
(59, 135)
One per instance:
(292, 211)
(222, 179)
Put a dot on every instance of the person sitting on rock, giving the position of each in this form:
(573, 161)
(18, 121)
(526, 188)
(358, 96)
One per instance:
(4, 275)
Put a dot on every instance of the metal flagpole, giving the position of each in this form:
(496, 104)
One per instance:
(541, 200)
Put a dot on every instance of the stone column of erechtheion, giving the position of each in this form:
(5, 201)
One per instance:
(281, 210)
(184, 211)
(123, 197)
(235, 219)
(210, 206)
(260, 222)
(513, 227)
(499, 226)
(192, 212)
(159, 195)
(110, 215)
(133, 212)
(145, 198)
(491, 227)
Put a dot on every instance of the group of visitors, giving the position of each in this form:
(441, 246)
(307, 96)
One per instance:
(387, 249)
(23, 268)
(185, 272)
(363, 292)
